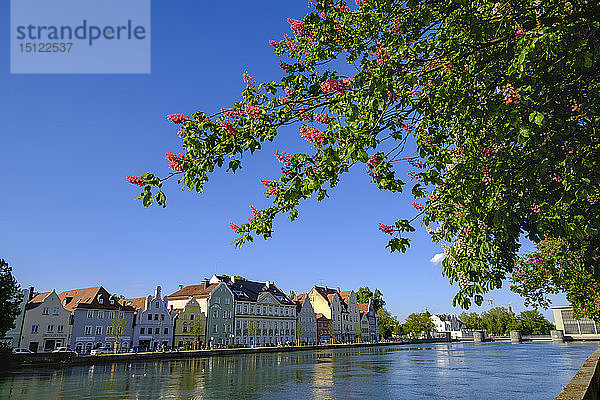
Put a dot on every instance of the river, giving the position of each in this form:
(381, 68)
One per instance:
(427, 371)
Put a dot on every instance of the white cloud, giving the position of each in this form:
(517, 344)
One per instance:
(435, 260)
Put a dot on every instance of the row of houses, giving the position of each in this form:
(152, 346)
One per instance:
(223, 310)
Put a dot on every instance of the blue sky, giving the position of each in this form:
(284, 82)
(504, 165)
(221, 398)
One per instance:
(68, 219)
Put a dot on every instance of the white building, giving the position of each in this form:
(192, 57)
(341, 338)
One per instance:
(445, 323)
(153, 322)
(306, 320)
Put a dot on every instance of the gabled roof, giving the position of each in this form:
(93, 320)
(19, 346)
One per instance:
(246, 290)
(363, 307)
(326, 293)
(88, 298)
(37, 299)
(299, 301)
(321, 317)
(345, 296)
(197, 291)
(137, 303)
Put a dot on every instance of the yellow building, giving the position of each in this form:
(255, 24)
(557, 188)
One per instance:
(190, 326)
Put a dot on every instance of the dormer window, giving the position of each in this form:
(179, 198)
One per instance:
(100, 299)
(112, 301)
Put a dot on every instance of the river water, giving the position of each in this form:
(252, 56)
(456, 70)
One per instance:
(427, 371)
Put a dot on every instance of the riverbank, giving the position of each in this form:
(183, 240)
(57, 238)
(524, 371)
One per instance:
(60, 360)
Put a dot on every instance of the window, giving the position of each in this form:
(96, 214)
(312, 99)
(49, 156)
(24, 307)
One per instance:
(35, 328)
(166, 331)
(264, 309)
(191, 317)
(100, 299)
(185, 327)
(215, 330)
(156, 305)
(100, 315)
(112, 301)
(157, 331)
(162, 317)
(46, 311)
(50, 329)
(149, 317)
(226, 300)
(239, 308)
(216, 314)
(55, 311)
(245, 309)
(60, 329)
(224, 328)
(109, 330)
(217, 300)
(98, 330)
(90, 314)
(156, 317)
(142, 331)
(251, 309)
(111, 314)
(88, 330)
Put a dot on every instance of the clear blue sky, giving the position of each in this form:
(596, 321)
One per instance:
(68, 219)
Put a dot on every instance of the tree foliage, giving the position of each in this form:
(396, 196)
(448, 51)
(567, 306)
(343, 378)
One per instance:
(499, 321)
(10, 298)
(419, 324)
(472, 320)
(386, 323)
(499, 99)
(364, 295)
(532, 322)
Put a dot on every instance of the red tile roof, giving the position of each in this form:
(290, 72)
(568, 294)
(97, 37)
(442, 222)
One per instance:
(88, 298)
(363, 307)
(137, 303)
(196, 291)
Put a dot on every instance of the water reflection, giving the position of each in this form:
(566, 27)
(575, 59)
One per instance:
(482, 371)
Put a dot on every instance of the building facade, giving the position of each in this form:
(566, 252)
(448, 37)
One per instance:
(306, 318)
(350, 316)
(368, 310)
(582, 328)
(13, 336)
(264, 315)
(449, 323)
(46, 323)
(217, 303)
(189, 326)
(323, 330)
(153, 322)
(95, 314)
(365, 332)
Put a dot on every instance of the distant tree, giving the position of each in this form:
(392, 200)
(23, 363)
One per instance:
(292, 295)
(331, 330)
(197, 331)
(10, 298)
(364, 295)
(399, 330)
(417, 324)
(299, 330)
(118, 325)
(357, 331)
(240, 278)
(386, 323)
(499, 321)
(534, 323)
(472, 320)
(252, 329)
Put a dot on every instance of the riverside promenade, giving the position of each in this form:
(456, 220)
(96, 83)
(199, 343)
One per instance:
(16, 361)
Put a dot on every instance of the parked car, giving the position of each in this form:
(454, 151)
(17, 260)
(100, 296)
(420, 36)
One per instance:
(100, 350)
(21, 351)
(64, 350)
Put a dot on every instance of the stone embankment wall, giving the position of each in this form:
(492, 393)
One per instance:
(585, 385)
(58, 360)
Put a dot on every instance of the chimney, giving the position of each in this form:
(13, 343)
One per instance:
(31, 288)
(268, 284)
(205, 283)
(338, 289)
(157, 292)
(232, 279)
(180, 286)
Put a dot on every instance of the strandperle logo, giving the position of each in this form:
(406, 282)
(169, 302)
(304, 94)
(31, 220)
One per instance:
(85, 31)
(80, 36)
